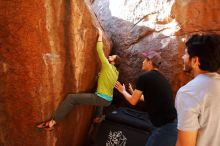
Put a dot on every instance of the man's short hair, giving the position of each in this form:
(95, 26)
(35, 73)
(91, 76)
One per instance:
(207, 49)
(154, 56)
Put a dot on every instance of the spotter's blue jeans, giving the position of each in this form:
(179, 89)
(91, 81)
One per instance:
(165, 135)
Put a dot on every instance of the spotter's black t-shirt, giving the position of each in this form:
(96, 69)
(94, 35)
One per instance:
(157, 97)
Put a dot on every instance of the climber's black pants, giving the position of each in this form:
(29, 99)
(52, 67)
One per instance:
(76, 99)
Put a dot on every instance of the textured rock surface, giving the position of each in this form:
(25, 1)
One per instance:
(47, 49)
(139, 25)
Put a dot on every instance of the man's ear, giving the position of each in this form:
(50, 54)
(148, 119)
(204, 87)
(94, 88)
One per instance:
(195, 62)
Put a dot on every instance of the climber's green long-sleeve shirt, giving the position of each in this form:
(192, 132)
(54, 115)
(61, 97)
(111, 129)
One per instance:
(107, 76)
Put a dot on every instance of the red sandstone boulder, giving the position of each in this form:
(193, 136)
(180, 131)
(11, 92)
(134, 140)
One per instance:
(47, 49)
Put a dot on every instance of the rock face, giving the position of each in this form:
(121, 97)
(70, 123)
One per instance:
(47, 49)
(163, 25)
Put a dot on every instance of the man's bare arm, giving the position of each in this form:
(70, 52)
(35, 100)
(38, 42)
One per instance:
(132, 99)
(186, 138)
